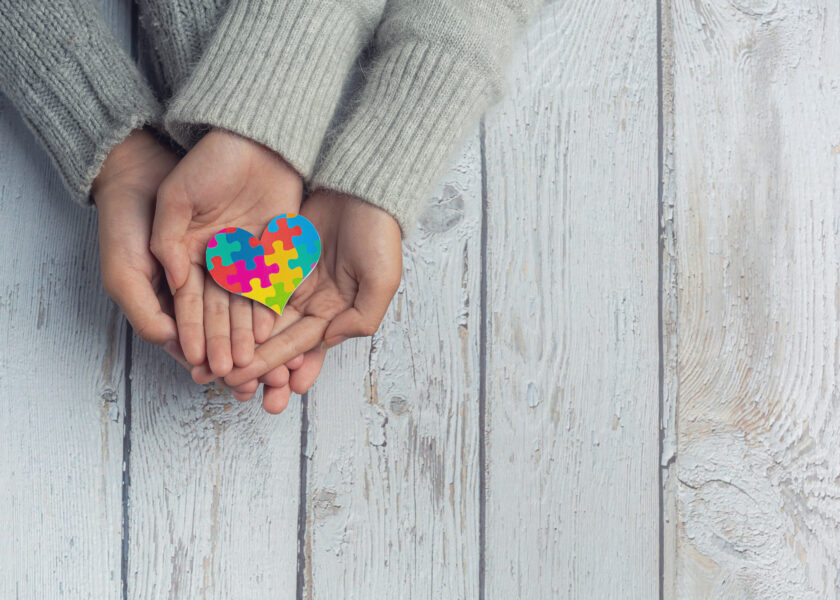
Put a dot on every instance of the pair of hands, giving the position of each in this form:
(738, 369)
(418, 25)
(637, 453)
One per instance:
(156, 215)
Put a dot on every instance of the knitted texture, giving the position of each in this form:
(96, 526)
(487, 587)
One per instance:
(73, 84)
(274, 73)
(176, 35)
(437, 66)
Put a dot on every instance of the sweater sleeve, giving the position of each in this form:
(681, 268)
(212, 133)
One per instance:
(274, 72)
(73, 84)
(437, 65)
(176, 33)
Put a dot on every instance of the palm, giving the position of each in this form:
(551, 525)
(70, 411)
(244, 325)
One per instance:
(345, 295)
(228, 181)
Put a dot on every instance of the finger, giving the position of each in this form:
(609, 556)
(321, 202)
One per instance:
(217, 320)
(295, 363)
(189, 316)
(276, 399)
(299, 337)
(202, 374)
(246, 391)
(173, 213)
(241, 330)
(277, 377)
(263, 322)
(173, 349)
(302, 379)
(137, 299)
(364, 317)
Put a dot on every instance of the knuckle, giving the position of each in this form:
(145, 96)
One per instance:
(216, 310)
(368, 329)
(145, 332)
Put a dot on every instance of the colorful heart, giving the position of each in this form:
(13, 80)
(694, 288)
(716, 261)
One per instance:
(266, 269)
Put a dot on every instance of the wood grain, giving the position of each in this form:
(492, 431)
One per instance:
(757, 156)
(213, 500)
(572, 354)
(393, 473)
(61, 382)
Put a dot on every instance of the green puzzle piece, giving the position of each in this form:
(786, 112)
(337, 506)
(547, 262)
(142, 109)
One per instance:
(224, 249)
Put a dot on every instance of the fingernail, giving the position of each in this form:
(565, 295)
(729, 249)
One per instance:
(334, 341)
(169, 282)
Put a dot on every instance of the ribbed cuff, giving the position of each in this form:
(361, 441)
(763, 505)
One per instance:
(73, 84)
(412, 114)
(273, 73)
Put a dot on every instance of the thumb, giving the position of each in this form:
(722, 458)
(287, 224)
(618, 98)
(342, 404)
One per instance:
(363, 318)
(134, 294)
(173, 213)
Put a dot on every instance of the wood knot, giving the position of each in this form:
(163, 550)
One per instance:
(755, 8)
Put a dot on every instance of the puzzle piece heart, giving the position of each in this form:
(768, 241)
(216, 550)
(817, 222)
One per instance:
(266, 269)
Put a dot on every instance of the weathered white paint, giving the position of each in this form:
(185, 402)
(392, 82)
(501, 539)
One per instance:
(749, 307)
(572, 355)
(61, 383)
(757, 222)
(213, 500)
(393, 473)
(669, 315)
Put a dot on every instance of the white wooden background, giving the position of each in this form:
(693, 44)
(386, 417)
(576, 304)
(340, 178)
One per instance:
(622, 384)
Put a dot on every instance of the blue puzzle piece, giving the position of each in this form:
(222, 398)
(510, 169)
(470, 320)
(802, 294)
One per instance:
(247, 251)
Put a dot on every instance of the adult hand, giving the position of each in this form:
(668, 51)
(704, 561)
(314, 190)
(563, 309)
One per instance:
(224, 181)
(345, 296)
(124, 193)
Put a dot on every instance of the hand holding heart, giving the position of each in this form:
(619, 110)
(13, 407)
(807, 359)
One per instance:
(225, 180)
(230, 182)
(346, 295)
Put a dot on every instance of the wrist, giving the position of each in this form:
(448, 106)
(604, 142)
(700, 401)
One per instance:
(135, 166)
(256, 151)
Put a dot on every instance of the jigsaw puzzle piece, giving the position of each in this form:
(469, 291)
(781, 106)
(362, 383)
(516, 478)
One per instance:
(258, 292)
(278, 301)
(249, 249)
(222, 246)
(261, 273)
(221, 272)
(279, 229)
(287, 278)
(308, 244)
(277, 254)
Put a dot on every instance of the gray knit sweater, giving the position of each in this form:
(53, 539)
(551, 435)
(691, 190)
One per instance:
(273, 71)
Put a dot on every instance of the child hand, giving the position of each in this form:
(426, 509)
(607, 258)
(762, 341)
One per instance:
(276, 381)
(345, 296)
(224, 181)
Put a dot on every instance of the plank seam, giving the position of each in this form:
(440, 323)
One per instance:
(126, 478)
(660, 134)
(126, 443)
(482, 374)
(301, 556)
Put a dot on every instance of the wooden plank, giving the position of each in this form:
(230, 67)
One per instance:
(213, 500)
(214, 489)
(572, 352)
(757, 146)
(61, 382)
(669, 313)
(393, 473)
